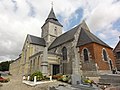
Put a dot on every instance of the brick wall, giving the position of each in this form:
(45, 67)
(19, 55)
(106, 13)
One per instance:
(96, 55)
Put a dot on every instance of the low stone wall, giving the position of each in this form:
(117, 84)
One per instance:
(113, 79)
(102, 72)
(95, 73)
(90, 73)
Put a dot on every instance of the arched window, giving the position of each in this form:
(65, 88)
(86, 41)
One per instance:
(85, 53)
(64, 53)
(105, 55)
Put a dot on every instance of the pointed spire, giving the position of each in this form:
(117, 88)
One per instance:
(84, 25)
(52, 18)
(52, 15)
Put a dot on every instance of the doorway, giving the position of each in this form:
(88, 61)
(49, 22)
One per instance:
(56, 69)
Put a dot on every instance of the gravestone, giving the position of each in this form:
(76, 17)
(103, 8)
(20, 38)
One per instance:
(76, 79)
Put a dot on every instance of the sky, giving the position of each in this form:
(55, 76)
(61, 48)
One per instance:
(21, 17)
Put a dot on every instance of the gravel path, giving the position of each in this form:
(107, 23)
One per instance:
(16, 84)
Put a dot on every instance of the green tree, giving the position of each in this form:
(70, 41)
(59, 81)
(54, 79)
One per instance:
(4, 66)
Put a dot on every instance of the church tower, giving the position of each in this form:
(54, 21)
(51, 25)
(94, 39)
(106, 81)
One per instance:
(51, 28)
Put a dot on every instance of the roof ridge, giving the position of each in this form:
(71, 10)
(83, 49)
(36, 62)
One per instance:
(68, 31)
(35, 36)
(69, 35)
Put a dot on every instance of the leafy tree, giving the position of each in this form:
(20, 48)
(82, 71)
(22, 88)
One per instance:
(4, 66)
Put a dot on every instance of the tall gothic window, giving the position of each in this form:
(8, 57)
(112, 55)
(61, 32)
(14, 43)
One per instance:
(105, 55)
(85, 53)
(64, 53)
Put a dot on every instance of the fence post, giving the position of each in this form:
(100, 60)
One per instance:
(35, 79)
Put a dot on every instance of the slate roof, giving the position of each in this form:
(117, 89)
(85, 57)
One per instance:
(36, 40)
(52, 18)
(87, 37)
(69, 35)
(117, 47)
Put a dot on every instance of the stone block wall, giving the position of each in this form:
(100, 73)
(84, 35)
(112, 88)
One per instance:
(15, 67)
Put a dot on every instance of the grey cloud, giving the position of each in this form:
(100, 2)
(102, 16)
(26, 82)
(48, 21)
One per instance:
(14, 26)
(32, 9)
(15, 5)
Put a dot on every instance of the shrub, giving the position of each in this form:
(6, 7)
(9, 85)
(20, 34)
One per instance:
(38, 75)
(87, 80)
(57, 76)
(64, 78)
(4, 80)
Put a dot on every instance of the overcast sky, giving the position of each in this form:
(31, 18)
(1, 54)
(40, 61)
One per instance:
(21, 17)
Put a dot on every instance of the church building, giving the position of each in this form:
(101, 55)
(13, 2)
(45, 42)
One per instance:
(117, 55)
(76, 51)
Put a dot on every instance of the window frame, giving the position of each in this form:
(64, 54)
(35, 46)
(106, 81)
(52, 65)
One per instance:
(103, 56)
(55, 31)
(88, 59)
(64, 53)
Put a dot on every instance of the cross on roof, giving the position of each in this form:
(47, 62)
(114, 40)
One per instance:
(52, 3)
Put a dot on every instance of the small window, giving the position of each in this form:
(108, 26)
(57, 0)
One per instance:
(118, 55)
(105, 55)
(85, 53)
(55, 30)
(64, 53)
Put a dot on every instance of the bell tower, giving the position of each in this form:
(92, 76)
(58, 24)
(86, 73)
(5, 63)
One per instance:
(51, 28)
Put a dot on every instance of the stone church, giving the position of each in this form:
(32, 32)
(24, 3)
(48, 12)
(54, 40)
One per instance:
(76, 51)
